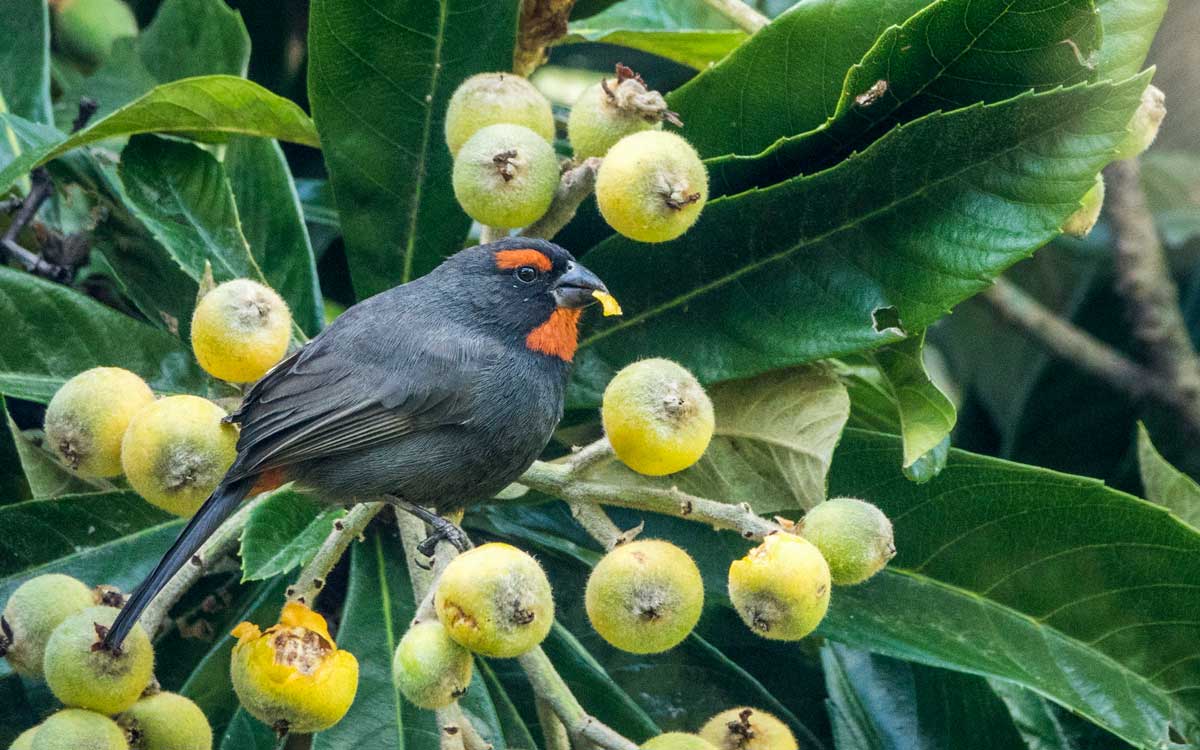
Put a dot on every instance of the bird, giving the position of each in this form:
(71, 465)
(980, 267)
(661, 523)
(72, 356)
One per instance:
(433, 395)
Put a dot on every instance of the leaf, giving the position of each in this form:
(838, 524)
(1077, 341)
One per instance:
(697, 48)
(46, 477)
(284, 532)
(247, 733)
(1166, 485)
(379, 100)
(772, 445)
(1034, 716)
(998, 574)
(13, 487)
(851, 253)
(54, 333)
(1129, 29)
(209, 106)
(878, 703)
(926, 415)
(658, 14)
(272, 220)
(316, 200)
(516, 733)
(25, 59)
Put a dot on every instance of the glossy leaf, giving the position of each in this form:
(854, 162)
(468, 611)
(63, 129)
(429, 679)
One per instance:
(697, 48)
(379, 100)
(45, 476)
(853, 252)
(658, 14)
(209, 106)
(284, 532)
(1166, 485)
(247, 733)
(773, 442)
(25, 59)
(926, 415)
(54, 333)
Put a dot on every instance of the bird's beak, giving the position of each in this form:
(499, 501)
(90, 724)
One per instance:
(579, 287)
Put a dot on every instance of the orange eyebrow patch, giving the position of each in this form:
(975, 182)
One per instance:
(558, 336)
(509, 259)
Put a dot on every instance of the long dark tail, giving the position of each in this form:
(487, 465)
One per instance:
(219, 506)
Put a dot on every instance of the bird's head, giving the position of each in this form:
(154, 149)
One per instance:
(531, 288)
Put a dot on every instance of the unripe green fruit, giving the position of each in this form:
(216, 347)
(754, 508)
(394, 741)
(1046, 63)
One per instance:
(87, 418)
(34, 610)
(24, 740)
(645, 596)
(176, 451)
(505, 176)
(240, 330)
(781, 587)
(493, 98)
(431, 670)
(748, 729)
(677, 741)
(657, 417)
(598, 120)
(1143, 127)
(167, 721)
(1080, 223)
(82, 674)
(495, 600)
(854, 537)
(86, 29)
(651, 186)
(76, 729)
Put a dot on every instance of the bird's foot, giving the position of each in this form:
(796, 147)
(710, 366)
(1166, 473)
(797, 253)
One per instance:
(443, 530)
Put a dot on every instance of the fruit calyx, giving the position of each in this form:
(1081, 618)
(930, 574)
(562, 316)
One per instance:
(630, 95)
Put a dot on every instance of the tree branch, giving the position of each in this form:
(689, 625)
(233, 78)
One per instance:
(747, 18)
(312, 577)
(575, 185)
(554, 734)
(549, 687)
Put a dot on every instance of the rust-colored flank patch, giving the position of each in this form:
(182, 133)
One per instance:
(267, 481)
(510, 259)
(558, 336)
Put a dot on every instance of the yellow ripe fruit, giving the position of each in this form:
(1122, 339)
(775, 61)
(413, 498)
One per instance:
(598, 121)
(657, 417)
(645, 596)
(24, 740)
(493, 98)
(677, 741)
(176, 451)
(505, 176)
(34, 610)
(167, 721)
(240, 330)
(651, 186)
(293, 677)
(1080, 223)
(495, 600)
(781, 587)
(87, 417)
(81, 674)
(854, 537)
(748, 729)
(76, 729)
(431, 670)
(1143, 127)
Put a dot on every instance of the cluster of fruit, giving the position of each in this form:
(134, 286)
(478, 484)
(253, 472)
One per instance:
(651, 185)
(52, 626)
(741, 728)
(174, 450)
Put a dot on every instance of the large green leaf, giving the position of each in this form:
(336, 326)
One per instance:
(1082, 593)
(697, 48)
(1129, 29)
(887, 240)
(773, 442)
(284, 532)
(379, 100)
(13, 487)
(215, 106)
(53, 333)
(273, 223)
(1166, 485)
(926, 415)
(25, 59)
(46, 477)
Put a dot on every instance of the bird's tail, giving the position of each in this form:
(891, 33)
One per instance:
(219, 506)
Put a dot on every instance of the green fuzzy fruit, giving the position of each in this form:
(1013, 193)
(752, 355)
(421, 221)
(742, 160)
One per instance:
(781, 587)
(430, 669)
(657, 417)
(677, 741)
(34, 610)
(645, 596)
(651, 186)
(88, 416)
(1143, 127)
(505, 176)
(854, 537)
(86, 29)
(494, 98)
(1080, 223)
(598, 120)
(495, 600)
(24, 740)
(76, 729)
(81, 674)
(167, 721)
(748, 729)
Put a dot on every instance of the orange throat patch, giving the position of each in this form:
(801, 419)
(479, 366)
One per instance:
(558, 336)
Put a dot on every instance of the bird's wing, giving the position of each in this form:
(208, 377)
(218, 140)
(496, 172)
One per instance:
(325, 400)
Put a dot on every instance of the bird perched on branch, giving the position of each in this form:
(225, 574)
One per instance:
(433, 395)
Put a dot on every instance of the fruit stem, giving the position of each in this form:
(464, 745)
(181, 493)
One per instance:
(747, 18)
(313, 576)
(582, 460)
(491, 234)
(575, 185)
(582, 727)
(597, 524)
(554, 734)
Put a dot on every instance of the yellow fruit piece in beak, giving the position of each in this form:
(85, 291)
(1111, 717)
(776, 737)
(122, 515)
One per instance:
(608, 303)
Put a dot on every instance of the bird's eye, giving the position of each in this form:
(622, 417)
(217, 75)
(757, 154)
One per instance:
(526, 274)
